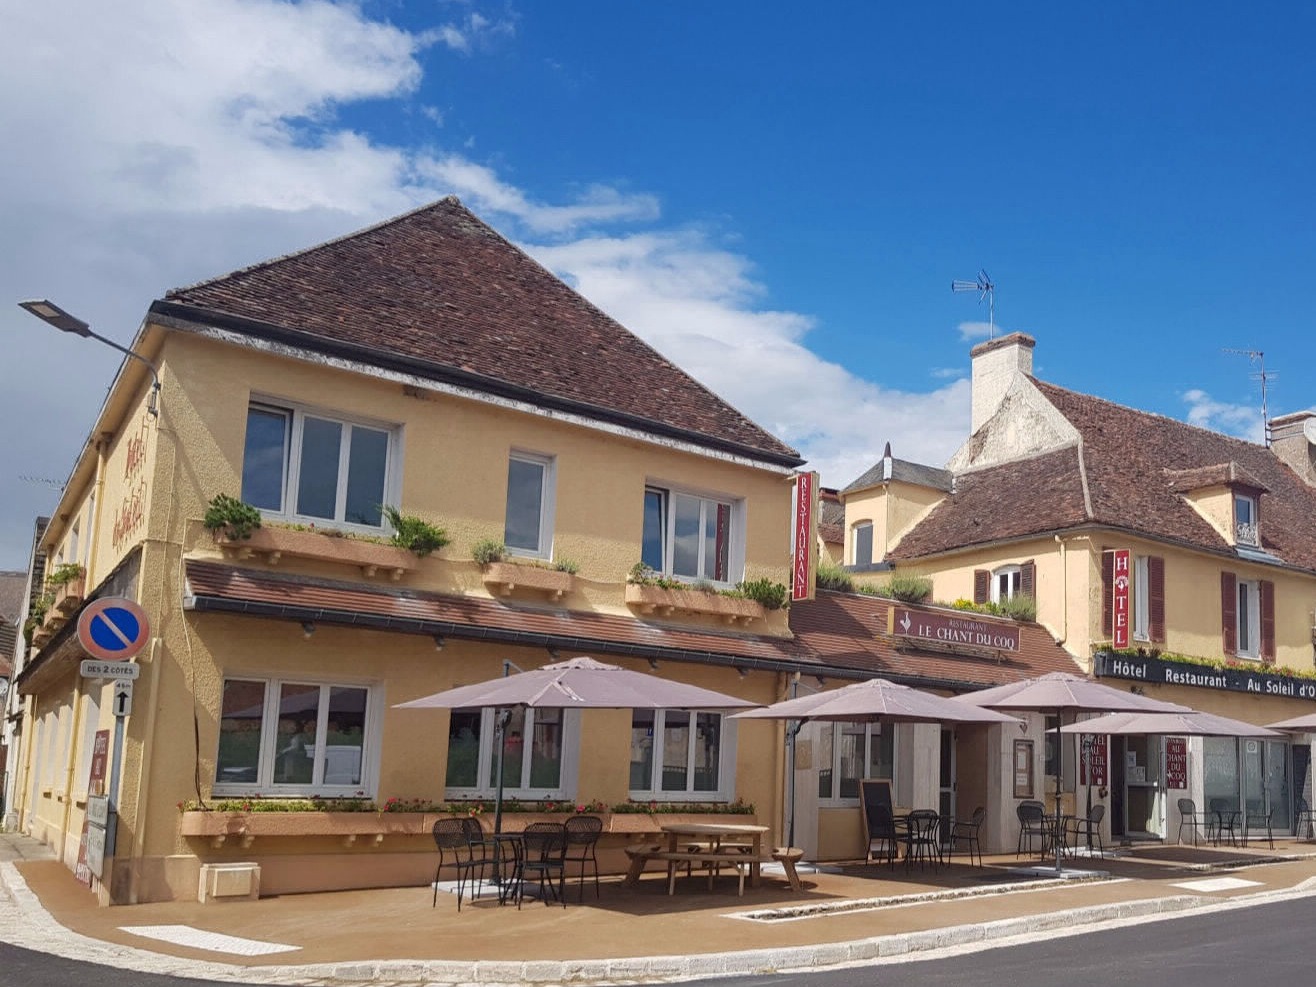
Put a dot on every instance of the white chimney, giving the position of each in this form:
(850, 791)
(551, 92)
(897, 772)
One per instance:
(1293, 440)
(995, 366)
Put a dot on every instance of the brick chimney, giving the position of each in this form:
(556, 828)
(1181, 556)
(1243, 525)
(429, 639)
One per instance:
(995, 366)
(1293, 440)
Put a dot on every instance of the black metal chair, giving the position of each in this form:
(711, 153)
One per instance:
(582, 839)
(544, 848)
(462, 847)
(967, 835)
(883, 832)
(1261, 819)
(923, 839)
(1226, 820)
(1303, 816)
(1033, 825)
(1087, 829)
(1190, 817)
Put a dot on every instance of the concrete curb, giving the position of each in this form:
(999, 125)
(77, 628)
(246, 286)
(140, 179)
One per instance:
(26, 923)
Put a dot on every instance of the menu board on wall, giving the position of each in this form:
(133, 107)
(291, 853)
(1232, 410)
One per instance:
(1092, 769)
(1176, 762)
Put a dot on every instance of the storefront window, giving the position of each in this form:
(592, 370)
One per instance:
(534, 743)
(686, 760)
(850, 752)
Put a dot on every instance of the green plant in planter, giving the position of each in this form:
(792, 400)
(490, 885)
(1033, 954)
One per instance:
(833, 577)
(414, 534)
(64, 574)
(488, 550)
(1022, 608)
(770, 595)
(230, 517)
(906, 588)
(567, 566)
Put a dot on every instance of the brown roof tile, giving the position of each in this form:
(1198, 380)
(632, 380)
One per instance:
(216, 586)
(986, 505)
(831, 517)
(849, 630)
(1221, 474)
(438, 288)
(1126, 453)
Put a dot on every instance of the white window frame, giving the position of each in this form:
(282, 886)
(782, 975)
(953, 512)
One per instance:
(547, 504)
(1248, 619)
(296, 414)
(269, 740)
(1141, 599)
(488, 754)
(870, 730)
(854, 543)
(1014, 575)
(735, 532)
(726, 762)
(1246, 532)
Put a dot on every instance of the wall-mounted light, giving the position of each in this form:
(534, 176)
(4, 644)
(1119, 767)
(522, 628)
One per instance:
(438, 642)
(742, 672)
(821, 679)
(51, 314)
(1137, 690)
(553, 653)
(653, 664)
(1023, 726)
(308, 628)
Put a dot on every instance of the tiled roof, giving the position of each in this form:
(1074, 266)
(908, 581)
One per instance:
(1126, 452)
(1221, 474)
(850, 630)
(440, 292)
(988, 505)
(12, 587)
(904, 471)
(216, 586)
(831, 517)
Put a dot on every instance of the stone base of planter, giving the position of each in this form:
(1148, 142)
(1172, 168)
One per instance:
(504, 578)
(665, 602)
(273, 544)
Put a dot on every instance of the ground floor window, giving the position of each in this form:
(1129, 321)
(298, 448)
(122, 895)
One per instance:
(850, 752)
(677, 754)
(534, 744)
(294, 738)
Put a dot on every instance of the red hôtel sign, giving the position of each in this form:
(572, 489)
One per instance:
(1120, 613)
(951, 629)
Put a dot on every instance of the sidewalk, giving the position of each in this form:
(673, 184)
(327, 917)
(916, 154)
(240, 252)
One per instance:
(394, 936)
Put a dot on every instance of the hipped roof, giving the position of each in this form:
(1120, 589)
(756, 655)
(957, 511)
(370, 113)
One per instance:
(442, 290)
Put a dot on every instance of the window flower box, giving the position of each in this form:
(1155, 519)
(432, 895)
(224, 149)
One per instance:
(656, 599)
(503, 578)
(274, 544)
(69, 595)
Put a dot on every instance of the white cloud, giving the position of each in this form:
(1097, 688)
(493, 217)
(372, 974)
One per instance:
(476, 30)
(977, 330)
(151, 145)
(1242, 421)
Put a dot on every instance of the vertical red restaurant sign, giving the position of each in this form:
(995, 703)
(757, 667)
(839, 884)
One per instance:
(1176, 762)
(805, 536)
(1120, 622)
(1093, 769)
(100, 751)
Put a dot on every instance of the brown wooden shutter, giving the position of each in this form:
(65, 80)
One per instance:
(1107, 593)
(1028, 579)
(1267, 621)
(982, 585)
(1156, 599)
(1229, 612)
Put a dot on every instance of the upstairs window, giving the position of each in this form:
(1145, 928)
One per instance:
(528, 529)
(1141, 599)
(313, 467)
(688, 535)
(1245, 520)
(1007, 583)
(1248, 617)
(863, 543)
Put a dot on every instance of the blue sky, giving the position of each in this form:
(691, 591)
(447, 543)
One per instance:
(777, 198)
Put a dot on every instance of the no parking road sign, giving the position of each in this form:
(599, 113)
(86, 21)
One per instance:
(113, 628)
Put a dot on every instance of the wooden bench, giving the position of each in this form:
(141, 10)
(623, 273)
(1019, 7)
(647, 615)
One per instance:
(788, 856)
(711, 859)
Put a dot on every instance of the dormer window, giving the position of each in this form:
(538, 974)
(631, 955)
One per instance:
(863, 543)
(1245, 519)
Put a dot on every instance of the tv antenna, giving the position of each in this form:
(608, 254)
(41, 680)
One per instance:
(1259, 358)
(983, 285)
(45, 481)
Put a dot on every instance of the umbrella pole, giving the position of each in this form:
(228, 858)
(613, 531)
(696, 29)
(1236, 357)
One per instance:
(1057, 836)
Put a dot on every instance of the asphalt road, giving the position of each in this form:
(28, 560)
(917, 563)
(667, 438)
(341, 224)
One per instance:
(1268, 944)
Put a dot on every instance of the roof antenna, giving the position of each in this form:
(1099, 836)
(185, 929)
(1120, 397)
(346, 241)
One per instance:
(988, 291)
(1259, 358)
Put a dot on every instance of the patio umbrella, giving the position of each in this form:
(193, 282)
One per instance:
(1058, 692)
(1193, 724)
(1298, 724)
(578, 683)
(871, 700)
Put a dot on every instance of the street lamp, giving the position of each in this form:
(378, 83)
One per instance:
(49, 312)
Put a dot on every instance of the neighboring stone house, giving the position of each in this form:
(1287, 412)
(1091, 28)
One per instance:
(1054, 489)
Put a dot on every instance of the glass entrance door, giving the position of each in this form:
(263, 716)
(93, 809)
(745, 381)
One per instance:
(1249, 776)
(947, 782)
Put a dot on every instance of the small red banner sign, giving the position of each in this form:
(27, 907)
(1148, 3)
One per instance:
(1176, 762)
(1120, 615)
(954, 630)
(806, 536)
(1096, 755)
(100, 750)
